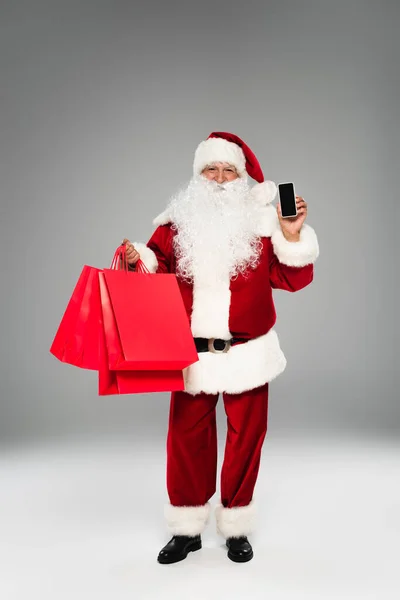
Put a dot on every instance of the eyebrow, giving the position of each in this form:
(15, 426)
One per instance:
(213, 166)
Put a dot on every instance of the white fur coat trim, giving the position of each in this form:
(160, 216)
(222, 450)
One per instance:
(210, 310)
(236, 521)
(186, 520)
(296, 254)
(244, 367)
(147, 256)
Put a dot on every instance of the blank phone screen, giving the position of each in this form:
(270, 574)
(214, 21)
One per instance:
(287, 199)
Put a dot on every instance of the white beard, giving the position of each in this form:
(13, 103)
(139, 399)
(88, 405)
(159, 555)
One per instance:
(215, 227)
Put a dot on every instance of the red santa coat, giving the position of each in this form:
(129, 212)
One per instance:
(241, 307)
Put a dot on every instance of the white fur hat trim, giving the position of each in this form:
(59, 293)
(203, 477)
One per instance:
(219, 150)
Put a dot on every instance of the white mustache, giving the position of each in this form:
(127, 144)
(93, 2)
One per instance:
(217, 186)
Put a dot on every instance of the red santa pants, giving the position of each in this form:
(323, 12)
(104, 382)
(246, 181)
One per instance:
(192, 460)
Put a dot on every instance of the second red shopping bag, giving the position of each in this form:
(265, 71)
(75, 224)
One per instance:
(113, 382)
(76, 339)
(145, 322)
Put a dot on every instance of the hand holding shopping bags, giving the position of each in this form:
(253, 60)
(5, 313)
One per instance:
(130, 326)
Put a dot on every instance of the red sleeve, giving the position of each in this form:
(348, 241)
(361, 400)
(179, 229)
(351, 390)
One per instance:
(285, 277)
(291, 264)
(161, 244)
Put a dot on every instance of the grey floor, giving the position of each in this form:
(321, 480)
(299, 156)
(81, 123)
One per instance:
(83, 519)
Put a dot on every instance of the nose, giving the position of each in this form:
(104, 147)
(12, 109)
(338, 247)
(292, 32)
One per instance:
(220, 177)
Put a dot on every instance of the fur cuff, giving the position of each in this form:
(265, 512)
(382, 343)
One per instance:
(296, 254)
(187, 520)
(147, 256)
(236, 521)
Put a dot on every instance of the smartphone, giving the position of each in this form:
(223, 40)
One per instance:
(287, 199)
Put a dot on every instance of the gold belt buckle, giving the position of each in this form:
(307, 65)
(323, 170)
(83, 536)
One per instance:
(214, 350)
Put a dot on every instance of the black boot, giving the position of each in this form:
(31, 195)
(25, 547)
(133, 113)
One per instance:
(239, 549)
(178, 548)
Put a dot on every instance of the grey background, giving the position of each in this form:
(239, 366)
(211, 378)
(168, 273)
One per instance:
(102, 106)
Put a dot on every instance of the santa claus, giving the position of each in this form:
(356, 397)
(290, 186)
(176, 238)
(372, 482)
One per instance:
(229, 248)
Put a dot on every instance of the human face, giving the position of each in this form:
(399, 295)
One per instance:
(220, 172)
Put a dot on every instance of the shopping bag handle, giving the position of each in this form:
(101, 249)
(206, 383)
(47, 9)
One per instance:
(120, 255)
(141, 267)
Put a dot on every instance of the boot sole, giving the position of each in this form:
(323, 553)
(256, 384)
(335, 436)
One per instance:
(174, 559)
(240, 559)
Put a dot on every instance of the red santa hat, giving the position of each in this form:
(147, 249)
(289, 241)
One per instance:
(221, 146)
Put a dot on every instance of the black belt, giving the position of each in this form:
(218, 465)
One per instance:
(216, 345)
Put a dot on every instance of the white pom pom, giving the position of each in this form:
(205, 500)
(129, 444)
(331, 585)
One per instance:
(263, 193)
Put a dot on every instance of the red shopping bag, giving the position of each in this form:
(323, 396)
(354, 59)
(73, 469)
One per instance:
(145, 322)
(77, 338)
(133, 382)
